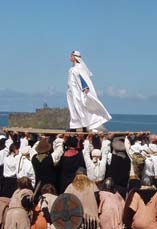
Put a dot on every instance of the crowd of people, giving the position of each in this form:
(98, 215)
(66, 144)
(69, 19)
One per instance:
(114, 178)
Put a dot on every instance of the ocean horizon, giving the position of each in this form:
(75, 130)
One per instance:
(119, 122)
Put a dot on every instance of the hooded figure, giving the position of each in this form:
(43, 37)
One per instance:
(85, 108)
(20, 206)
(85, 190)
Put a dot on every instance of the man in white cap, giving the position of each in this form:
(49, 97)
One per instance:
(85, 108)
(95, 160)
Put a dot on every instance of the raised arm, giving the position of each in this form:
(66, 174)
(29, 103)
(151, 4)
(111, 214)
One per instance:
(58, 149)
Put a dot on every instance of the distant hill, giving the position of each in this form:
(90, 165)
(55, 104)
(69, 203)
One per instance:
(45, 118)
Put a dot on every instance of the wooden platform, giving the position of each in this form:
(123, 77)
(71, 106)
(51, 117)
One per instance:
(34, 130)
(59, 131)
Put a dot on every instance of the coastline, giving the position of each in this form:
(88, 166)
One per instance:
(119, 122)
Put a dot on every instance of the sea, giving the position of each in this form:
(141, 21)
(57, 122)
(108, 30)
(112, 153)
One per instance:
(119, 122)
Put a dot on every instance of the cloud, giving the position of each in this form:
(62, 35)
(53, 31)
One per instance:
(117, 101)
(123, 93)
(100, 93)
(142, 97)
(115, 92)
(11, 100)
(9, 93)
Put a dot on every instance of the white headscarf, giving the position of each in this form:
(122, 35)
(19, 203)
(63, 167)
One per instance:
(25, 150)
(78, 57)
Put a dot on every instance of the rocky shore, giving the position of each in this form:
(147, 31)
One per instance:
(46, 118)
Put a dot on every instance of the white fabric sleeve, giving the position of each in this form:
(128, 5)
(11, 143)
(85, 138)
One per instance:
(76, 92)
(128, 148)
(109, 158)
(88, 147)
(106, 151)
(106, 146)
(86, 153)
(58, 150)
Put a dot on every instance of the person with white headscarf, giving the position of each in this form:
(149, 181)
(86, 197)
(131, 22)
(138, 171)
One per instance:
(85, 108)
(24, 166)
(95, 160)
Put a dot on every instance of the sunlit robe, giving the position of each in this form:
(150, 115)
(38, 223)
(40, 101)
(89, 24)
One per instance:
(85, 109)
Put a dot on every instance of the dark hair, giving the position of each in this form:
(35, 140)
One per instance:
(2, 143)
(147, 180)
(96, 142)
(71, 141)
(109, 185)
(13, 147)
(81, 170)
(22, 135)
(77, 60)
(24, 182)
(9, 134)
(48, 188)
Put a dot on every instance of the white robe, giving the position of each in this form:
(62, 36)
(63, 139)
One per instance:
(85, 109)
(95, 171)
(24, 167)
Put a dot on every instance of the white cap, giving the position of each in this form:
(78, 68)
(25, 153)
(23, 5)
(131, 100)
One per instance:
(96, 153)
(137, 147)
(2, 137)
(78, 57)
(26, 149)
(76, 53)
(94, 131)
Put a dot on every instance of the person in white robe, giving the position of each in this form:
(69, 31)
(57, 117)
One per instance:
(3, 150)
(24, 166)
(84, 106)
(23, 141)
(95, 160)
(153, 151)
(151, 157)
(9, 171)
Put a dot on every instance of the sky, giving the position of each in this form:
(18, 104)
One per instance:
(117, 40)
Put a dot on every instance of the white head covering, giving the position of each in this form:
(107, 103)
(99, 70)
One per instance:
(94, 131)
(8, 143)
(2, 137)
(57, 142)
(26, 150)
(78, 57)
(96, 153)
(153, 148)
(137, 147)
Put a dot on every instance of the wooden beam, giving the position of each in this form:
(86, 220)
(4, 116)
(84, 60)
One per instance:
(60, 131)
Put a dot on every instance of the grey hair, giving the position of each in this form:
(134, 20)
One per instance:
(147, 180)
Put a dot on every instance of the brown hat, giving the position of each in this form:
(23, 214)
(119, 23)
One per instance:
(43, 146)
(67, 212)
